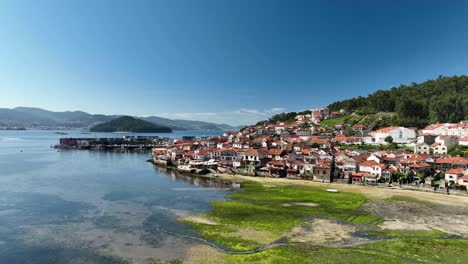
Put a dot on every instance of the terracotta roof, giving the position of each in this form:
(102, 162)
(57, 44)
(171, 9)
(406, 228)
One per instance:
(256, 152)
(368, 163)
(452, 160)
(296, 162)
(322, 166)
(382, 166)
(359, 174)
(386, 129)
(455, 171)
(306, 151)
(432, 127)
(275, 152)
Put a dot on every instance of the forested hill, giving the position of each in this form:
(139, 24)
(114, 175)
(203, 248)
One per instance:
(442, 100)
(130, 124)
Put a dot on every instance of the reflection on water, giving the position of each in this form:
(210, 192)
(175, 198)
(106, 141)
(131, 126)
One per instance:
(92, 207)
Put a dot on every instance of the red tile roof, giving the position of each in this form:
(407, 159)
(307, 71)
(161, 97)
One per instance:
(368, 163)
(386, 129)
(455, 171)
(322, 166)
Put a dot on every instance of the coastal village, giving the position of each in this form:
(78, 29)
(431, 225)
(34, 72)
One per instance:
(305, 149)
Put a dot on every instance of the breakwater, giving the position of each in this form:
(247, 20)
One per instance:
(126, 143)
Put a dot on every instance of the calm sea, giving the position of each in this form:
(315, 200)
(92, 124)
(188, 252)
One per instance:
(73, 206)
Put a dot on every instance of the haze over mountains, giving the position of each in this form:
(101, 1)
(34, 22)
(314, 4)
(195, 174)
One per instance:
(30, 117)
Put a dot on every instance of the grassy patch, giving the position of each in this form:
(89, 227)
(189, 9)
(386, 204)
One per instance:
(333, 121)
(424, 250)
(389, 251)
(311, 254)
(260, 208)
(225, 236)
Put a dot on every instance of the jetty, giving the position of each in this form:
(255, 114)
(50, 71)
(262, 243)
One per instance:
(122, 144)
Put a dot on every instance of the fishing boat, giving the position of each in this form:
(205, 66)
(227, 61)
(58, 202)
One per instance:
(185, 168)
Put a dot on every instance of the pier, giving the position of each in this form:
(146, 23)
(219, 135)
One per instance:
(126, 143)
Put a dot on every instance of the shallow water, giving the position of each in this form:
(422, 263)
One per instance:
(90, 206)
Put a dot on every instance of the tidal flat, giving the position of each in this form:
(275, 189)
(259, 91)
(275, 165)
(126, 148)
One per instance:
(254, 226)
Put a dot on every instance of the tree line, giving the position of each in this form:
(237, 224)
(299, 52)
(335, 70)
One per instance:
(444, 99)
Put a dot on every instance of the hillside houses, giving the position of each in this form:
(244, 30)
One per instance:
(447, 129)
(302, 149)
(400, 135)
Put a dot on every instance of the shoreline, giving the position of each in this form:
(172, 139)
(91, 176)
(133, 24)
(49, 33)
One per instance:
(374, 192)
(370, 191)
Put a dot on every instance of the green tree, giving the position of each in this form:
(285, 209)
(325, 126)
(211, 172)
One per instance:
(388, 139)
(442, 100)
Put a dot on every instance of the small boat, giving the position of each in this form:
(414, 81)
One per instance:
(332, 190)
(185, 168)
(61, 133)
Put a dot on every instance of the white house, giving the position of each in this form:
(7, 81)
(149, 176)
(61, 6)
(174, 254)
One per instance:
(439, 149)
(400, 135)
(422, 148)
(371, 167)
(447, 129)
(280, 128)
(463, 181)
(463, 141)
(453, 175)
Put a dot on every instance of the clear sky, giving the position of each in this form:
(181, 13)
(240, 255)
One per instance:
(224, 61)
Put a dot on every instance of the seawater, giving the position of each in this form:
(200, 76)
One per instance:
(72, 206)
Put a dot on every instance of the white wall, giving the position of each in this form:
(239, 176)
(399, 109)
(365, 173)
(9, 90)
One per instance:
(400, 135)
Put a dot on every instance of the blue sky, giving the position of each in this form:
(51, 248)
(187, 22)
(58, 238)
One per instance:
(233, 62)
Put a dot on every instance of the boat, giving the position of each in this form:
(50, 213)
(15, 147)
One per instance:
(332, 190)
(185, 168)
(61, 133)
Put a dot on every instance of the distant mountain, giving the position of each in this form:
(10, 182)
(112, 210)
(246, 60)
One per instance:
(130, 124)
(179, 124)
(11, 117)
(39, 118)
